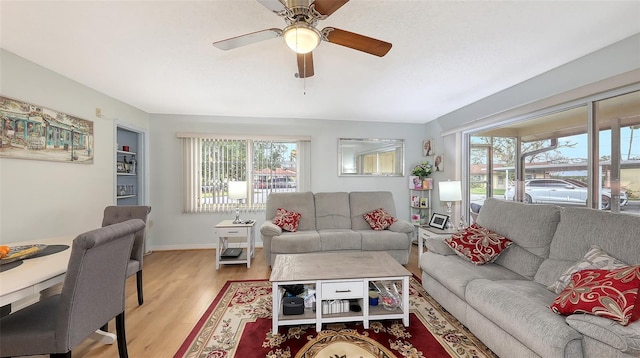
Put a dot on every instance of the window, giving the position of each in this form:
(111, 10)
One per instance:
(266, 164)
(582, 154)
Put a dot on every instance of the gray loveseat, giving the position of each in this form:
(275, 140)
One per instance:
(334, 222)
(505, 303)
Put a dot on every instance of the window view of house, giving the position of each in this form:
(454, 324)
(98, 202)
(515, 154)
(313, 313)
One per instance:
(546, 159)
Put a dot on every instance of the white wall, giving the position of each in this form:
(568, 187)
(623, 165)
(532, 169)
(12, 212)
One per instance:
(43, 199)
(177, 230)
(616, 59)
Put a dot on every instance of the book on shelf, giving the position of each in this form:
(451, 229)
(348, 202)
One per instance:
(415, 219)
(415, 201)
(424, 203)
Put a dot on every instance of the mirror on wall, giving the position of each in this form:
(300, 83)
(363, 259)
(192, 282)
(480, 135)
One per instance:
(370, 157)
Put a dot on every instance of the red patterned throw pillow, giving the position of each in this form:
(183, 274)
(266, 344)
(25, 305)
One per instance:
(611, 294)
(287, 220)
(379, 219)
(478, 244)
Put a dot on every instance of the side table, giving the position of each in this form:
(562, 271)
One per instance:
(227, 229)
(428, 232)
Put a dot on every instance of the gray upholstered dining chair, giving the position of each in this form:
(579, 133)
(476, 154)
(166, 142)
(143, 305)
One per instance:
(92, 294)
(117, 214)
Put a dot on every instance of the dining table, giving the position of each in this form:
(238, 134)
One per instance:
(21, 284)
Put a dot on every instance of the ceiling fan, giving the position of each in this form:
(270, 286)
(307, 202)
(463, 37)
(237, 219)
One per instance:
(301, 34)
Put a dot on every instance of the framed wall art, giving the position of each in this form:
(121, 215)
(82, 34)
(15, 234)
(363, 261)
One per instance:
(427, 148)
(28, 131)
(438, 163)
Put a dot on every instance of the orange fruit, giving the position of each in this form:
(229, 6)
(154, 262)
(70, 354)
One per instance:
(4, 250)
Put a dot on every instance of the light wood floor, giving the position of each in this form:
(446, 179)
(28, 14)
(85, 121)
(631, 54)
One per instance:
(178, 287)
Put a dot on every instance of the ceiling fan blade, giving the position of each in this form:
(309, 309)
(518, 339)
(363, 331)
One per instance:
(305, 65)
(328, 7)
(356, 41)
(273, 5)
(248, 39)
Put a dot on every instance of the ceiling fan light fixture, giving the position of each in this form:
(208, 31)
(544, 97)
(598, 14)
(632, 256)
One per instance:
(301, 38)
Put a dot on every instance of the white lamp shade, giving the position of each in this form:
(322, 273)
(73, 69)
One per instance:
(237, 190)
(450, 191)
(301, 37)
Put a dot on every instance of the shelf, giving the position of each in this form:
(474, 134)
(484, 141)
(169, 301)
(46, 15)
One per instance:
(309, 316)
(122, 152)
(125, 196)
(242, 258)
(127, 174)
(419, 214)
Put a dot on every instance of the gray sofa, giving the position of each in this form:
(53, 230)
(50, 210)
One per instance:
(505, 303)
(334, 222)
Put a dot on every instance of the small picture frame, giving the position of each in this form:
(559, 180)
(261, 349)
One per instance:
(121, 167)
(424, 203)
(427, 184)
(415, 201)
(439, 221)
(415, 219)
(415, 183)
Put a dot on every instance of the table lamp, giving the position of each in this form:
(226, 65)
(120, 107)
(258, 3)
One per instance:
(237, 191)
(450, 191)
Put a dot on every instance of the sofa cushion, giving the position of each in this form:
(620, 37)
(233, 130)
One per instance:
(300, 202)
(363, 202)
(379, 219)
(454, 273)
(340, 239)
(610, 294)
(287, 220)
(623, 338)
(332, 211)
(520, 307)
(384, 240)
(296, 242)
(477, 244)
(616, 234)
(595, 258)
(535, 227)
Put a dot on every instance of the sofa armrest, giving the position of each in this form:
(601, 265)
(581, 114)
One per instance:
(623, 338)
(270, 229)
(402, 226)
(437, 246)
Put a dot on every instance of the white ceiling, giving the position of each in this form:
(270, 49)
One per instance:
(158, 57)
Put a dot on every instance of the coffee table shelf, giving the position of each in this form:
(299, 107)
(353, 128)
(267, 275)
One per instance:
(326, 273)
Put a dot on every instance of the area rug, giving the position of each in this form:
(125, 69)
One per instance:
(238, 324)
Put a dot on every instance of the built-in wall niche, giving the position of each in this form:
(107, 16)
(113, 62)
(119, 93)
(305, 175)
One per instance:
(129, 168)
(370, 157)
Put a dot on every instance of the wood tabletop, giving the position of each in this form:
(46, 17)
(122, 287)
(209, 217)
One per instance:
(335, 266)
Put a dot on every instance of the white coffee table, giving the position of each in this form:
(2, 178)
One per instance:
(336, 276)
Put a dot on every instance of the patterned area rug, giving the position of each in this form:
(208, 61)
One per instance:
(238, 324)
